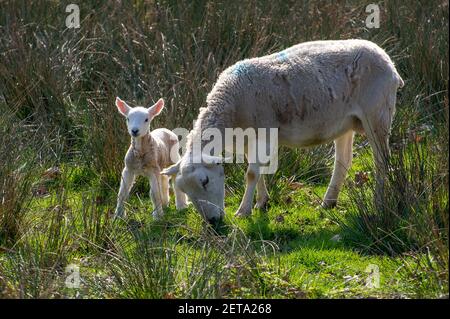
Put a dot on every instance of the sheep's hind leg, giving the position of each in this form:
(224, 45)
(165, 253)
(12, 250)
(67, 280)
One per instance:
(262, 195)
(377, 126)
(342, 161)
(126, 183)
(378, 136)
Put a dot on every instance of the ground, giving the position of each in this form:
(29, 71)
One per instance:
(296, 249)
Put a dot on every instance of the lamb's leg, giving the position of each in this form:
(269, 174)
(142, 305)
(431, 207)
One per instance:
(155, 194)
(180, 197)
(342, 161)
(262, 195)
(165, 198)
(252, 176)
(126, 183)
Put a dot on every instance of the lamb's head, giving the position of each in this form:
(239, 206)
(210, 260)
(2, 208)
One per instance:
(139, 118)
(203, 182)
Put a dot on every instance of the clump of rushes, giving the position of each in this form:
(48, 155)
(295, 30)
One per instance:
(18, 158)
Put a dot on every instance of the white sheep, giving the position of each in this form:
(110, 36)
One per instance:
(313, 93)
(148, 154)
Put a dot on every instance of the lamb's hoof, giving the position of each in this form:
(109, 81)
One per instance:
(262, 205)
(336, 238)
(328, 204)
(157, 215)
(243, 212)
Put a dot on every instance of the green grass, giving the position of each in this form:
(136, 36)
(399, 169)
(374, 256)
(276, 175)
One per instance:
(286, 252)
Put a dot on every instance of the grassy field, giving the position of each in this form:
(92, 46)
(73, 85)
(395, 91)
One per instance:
(62, 144)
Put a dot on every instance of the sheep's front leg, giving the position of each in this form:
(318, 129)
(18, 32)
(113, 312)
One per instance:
(252, 176)
(155, 194)
(180, 197)
(125, 186)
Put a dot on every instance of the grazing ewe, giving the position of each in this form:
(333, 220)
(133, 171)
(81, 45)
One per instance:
(149, 152)
(314, 93)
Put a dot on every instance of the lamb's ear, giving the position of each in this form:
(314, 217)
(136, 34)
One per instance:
(171, 170)
(122, 106)
(155, 109)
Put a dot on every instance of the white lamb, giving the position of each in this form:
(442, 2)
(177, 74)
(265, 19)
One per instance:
(313, 93)
(148, 154)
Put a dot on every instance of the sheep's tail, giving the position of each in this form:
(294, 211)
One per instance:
(399, 79)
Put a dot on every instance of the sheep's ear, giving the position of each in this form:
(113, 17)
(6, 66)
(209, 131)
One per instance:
(122, 106)
(210, 160)
(156, 108)
(171, 170)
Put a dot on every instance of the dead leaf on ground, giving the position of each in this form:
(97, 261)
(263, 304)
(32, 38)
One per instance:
(361, 178)
(279, 218)
(52, 173)
(296, 293)
(296, 185)
(40, 190)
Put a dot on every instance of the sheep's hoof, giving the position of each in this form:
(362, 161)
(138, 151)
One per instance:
(118, 214)
(262, 204)
(243, 212)
(115, 218)
(329, 203)
(181, 206)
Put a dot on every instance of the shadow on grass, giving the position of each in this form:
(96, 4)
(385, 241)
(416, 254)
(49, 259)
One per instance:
(291, 236)
(288, 232)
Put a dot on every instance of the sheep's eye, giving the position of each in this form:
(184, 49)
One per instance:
(128, 119)
(146, 120)
(205, 182)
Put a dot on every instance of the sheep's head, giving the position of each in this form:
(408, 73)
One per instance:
(139, 118)
(203, 182)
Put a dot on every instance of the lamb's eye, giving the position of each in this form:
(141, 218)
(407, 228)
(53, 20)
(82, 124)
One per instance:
(146, 120)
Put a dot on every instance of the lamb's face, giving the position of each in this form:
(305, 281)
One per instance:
(139, 118)
(138, 121)
(204, 183)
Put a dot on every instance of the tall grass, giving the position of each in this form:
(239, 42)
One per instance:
(192, 262)
(413, 219)
(25, 152)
